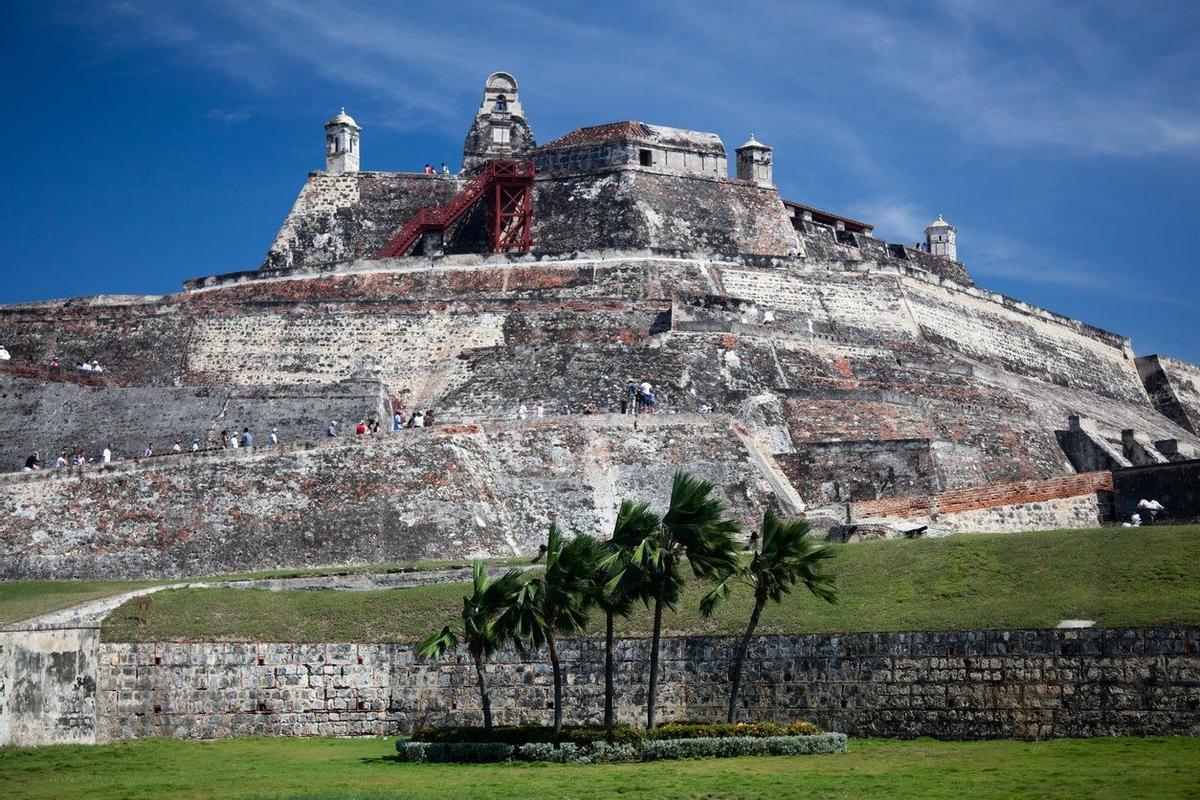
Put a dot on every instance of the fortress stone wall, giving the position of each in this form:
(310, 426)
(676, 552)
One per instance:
(805, 359)
(451, 492)
(954, 684)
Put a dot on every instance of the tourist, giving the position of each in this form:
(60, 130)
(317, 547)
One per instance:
(178, 446)
(1151, 510)
(522, 411)
(233, 440)
(538, 410)
(149, 451)
(79, 459)
(629, 401)
(429, 418)
(83, 366)
(33, 462)
(445, 169)
(4, 354)
(273, 439)
(418, 420)
(428, 169)
(331, 429)
(224, 440)
(651, 401)
(373, 426)
(96, 366)
(247, 438)
(397, 419)
(361, 429)
(61, 461)
(106, 455)
(196, 445)
(53, 362)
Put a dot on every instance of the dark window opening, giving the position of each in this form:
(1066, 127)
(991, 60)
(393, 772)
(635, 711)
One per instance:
(645, 158)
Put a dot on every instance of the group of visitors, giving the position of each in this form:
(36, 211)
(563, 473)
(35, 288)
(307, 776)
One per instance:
(539, 411)
(429, 170)
(67, 458)
(235, 440)
(371, 426)
(638, 398)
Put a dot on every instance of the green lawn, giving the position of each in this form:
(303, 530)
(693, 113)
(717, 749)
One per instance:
(1116, 576)
(357, 768)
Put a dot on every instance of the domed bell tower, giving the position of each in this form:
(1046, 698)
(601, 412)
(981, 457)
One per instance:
(500, 130)
(941, 239)
(754, 160)
(341, 144)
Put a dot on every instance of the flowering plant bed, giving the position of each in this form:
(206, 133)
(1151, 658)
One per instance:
(608, 752)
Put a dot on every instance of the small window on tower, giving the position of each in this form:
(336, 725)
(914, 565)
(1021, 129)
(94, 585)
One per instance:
(646, 158)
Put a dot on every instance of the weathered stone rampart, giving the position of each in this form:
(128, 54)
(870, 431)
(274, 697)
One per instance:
(806, 359)
(951, 685)
(1174, 388)
(450, 492)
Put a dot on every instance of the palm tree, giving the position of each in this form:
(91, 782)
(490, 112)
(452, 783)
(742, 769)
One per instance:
(556, 601)
(786, 556)
(634, 522)
(694, 529)
(487, 621)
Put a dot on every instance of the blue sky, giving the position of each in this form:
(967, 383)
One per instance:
(149, 142)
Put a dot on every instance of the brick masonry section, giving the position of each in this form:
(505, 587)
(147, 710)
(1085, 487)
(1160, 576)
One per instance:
(953, 685)
(1020, 494)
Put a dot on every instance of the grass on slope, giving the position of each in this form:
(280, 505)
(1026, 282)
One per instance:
(363, 768)
(21, 600)
(1116, 576)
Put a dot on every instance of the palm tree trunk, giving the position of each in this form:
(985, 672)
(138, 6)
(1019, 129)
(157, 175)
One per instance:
(609, 716)
(557, 669)
(652, 693)
(484, 696)
(735, 671)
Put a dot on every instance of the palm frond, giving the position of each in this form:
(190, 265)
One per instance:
(713, 598)
(438, 644)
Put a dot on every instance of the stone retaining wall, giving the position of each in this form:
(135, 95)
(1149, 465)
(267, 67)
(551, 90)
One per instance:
(957, 685)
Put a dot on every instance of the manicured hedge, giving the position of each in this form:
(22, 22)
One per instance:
(602, 752)
(721, 730)
(527, 734)
(671, 749)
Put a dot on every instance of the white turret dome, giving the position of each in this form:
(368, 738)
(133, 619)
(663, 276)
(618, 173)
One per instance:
(342, 118)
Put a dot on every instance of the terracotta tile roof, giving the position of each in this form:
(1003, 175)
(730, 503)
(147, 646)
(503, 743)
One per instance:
(594, 134)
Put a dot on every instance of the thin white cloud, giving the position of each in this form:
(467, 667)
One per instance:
(894, 220)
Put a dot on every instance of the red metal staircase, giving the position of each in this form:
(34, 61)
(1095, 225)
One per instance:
(508, 185)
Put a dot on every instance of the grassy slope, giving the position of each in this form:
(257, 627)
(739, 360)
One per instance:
(20, 600)
(329, 768)
(24, 599)
(1116, 576)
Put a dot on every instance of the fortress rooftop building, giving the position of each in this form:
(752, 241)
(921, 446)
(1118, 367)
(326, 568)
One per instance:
(799, 361)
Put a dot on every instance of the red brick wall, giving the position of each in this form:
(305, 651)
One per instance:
(987, 496)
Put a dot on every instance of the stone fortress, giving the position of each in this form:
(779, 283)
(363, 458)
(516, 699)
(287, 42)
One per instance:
(799, 360)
